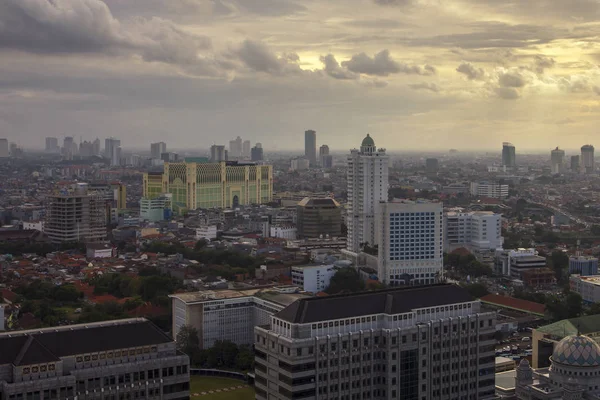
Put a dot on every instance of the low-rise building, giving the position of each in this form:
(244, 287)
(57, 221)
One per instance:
(583, 266)
(288, 232)
(489, 189)
(99, 250)
(156, 209)
(207, 232)
(479, 231)
(319, 218)
(588, 287)
(513, 263)
(313, 278)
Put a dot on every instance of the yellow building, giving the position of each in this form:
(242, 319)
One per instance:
(197, 183)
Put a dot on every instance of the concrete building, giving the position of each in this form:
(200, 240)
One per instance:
(52, 145)
(513, 263)
(99, 250)
(289, 232)
(587, 158)
(588, 287)
(228, 314)
(574, 373)
(96, 147)
(109, 145)
(489, 189)
(583, 266)
(207, 232)
(575, 164)
(323, 151)
(432, 165)
(509, 157)
(156, 209)
(156, 149)
(218, 153)
(310, 146)
(256, 153)
(299, 164)
(235, 148)
(318, 218)
(76, 214)
(123, 359)
(367, 176)
(410, 237)
(246, 145)
(4, 149)
(327, 161)
(479, 231)
(557, 160)
(115, 193)
(197, 183)
(432, 342)
(313, 278)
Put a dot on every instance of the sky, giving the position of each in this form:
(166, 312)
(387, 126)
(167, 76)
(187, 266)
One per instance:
(415, 74)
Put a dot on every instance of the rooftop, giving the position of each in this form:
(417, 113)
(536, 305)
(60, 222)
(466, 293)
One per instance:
(514, 304)
(389, 301)
(263, 293)
(587, 325)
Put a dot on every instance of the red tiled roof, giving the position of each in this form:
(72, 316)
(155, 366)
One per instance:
(515, 304)
(9, 295)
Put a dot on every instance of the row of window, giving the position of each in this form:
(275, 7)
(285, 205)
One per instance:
(116, 354)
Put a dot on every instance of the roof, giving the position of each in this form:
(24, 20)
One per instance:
(312, 201)
(585, 325)
(577, 351)
(266, 293)
(515, 304)
(368, 141)
(48, 345)
(388, 301)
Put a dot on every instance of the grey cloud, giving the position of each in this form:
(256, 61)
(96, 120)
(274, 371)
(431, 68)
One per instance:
(507, 93)
(597, 90)
(394, 2)
(583, 10)
(470, 71)
(542, 63)
(511, 80)
(374, 83)
(575, 84)
(383, 65)
(258, 57)
(425, 86)
(333, 69)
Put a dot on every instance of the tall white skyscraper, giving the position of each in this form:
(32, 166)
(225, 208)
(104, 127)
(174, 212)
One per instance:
(411, 245)
(109, 145)
(368, 171)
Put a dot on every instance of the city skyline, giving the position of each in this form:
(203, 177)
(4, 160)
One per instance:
(460, 74)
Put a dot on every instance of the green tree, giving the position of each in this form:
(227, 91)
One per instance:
(559, 261)
(595, 229)
(188, 342)
(477, 290)
(346, 280)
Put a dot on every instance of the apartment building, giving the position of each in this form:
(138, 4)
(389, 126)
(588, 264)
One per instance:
(313, 278)
(489, 189)
(414, 343)
(480, 231)
(122, 359)
(514, 263)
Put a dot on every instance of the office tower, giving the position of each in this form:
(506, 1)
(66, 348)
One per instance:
(128, 358)
(582, 265)
(235, 148)
(157, 209)
(115, 158)
(310, 146)
(494, 190)
(367, 175)
(4, 150)
(432, 165)
(587, 158)
(96, 147)
(109, 144)
(14, 149)
(246, 149)
(114, 193)
(67, 149)
(480, 231)
(52, 145)
(76, 214)
(256, 153)
(218, 153)
(430, 342)
(323, 151)
(224, 185)
(169, 157)
(410, 237)
(86, 149)
(575, 165)
(327, 161)
(509, 158)
(156, 149)
(557, 159)
(318, 218)
(299, 164)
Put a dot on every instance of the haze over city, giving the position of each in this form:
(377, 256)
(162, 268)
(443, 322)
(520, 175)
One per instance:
(457, 74)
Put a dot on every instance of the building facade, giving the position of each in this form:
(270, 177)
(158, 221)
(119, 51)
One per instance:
(513, 263)
(410, 239)
(509, 156)
(4, 149)
(367, 176)
(76, 214)
(489, 189)
(156, 209)
(587, 158)
(588, 287)
(583, 266)
(432, 165)
(156, 149)
(575, 164)
(413, 343)
(318, 218)
(197, 183)
(557, 160)
(310, 146)
(478, 231)
(313, 278)
(256, 153)
(123, 359)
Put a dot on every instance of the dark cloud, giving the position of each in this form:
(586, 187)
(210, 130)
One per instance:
(507, 93)
(511, 80)
(258, 57)
(542, 63)
(425, 86)
(470, 71)
(597, 90)
(333, 69)
(383, 65)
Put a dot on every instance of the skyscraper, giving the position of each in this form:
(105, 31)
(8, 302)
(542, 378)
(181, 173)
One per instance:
(406, 261)
(4, 152)
(509, 158)
(115, 158)
(575, 164)
(323, 151)
(432, 165)
(587, 158)
(109, 144)
(310, 146)
(557, 159)
(69, 148)
(156, 149)
(52, 145)
(235, 148)
(256, 153)
(246, 149)
(218, 153)
(367, 175)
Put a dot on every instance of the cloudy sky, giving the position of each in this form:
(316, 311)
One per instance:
(416, 74)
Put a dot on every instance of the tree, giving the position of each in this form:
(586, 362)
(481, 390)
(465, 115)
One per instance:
(595, 229)
(477, 290)
(346, 280)
(188, 342)
(560, 262)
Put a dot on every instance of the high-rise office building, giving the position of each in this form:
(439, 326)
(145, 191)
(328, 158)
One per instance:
(310, 146)
(319, 218)
(256, 153)
(575, 164)
(509, 157)
(4, 149)
(109, 144)
(76, 214)
(52, 145)
(587, 158)
(69, 149)
(218, 153)
(124, 359)
(429, 342)
(323, 151)
(367, 176)
(96, 147)
(479, 231)
(494, 190)
(156, 149)
(410, 236)
(115, 158)
(432, 165)
(327, 161)
(235, 148)
(246, 145)
(557, 160)
(86, 149)
(197, 183)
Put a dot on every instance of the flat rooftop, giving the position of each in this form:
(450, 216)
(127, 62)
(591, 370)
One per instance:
(506, 380)
(269, 294)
